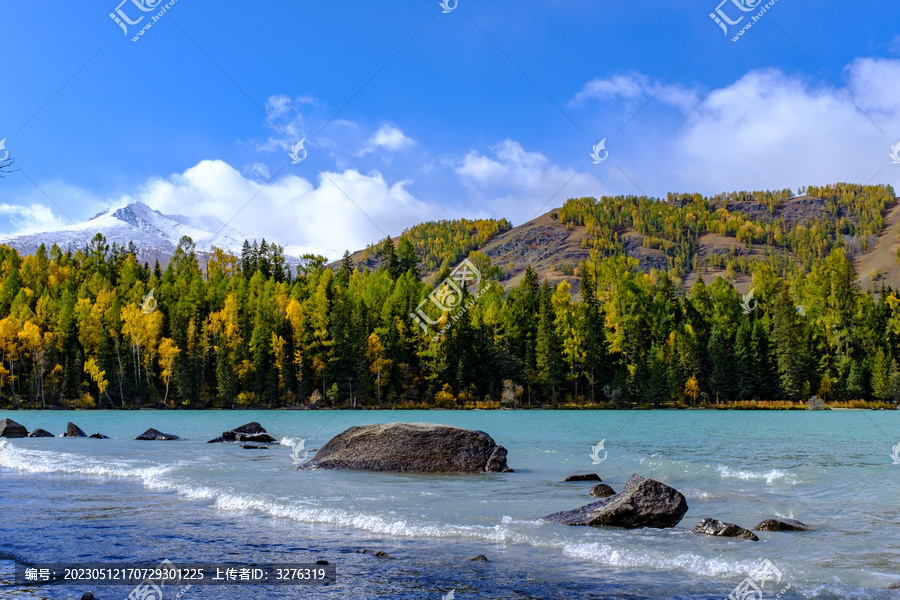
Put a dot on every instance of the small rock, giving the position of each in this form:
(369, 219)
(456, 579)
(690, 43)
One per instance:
(73, 431)
(322, 562)
(100, 436)
(11, 429)
(894, 586)
(722, 529)
(585, 477)
(377, 554)
(252, 447)
(479, 558)
(782, 525)
(87, 596)
(40, 433)
(152, 434)
(602, 491)
(216, 440)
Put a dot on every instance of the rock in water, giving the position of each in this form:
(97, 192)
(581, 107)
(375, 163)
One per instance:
(251, 432)
(152, 434)
(411, 448)
(40, 433)
(377, 554)
(721, 529)
(72, 430)
(585, 477)
(643, 503)
(100, 436)
(479, 558)
(11, 429)
(782, 525)
(602, 491)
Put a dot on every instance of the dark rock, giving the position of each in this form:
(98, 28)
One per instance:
(411, 448)
(782, 525)
(479, 558)
(152, 434)
(87, 596)
(260, 438)
(894, 586)
(718, 528)
(253, 447)
(40, 433)
(11, 429)
(251, 432)
(643, 503)
(377, 554)
(585, 477)
(322, 562)
(602, 491)
(100, 436)
(73, 431)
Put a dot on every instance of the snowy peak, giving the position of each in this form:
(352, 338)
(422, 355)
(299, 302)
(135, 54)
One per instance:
(155, 234)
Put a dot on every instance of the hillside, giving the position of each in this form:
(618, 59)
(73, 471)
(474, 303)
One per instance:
(688, 236)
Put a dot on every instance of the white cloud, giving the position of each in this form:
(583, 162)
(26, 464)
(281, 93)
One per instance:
(32, 218)
(769, 130)
(334, 214)
(518, 184)
(389, 138)
(635, 86)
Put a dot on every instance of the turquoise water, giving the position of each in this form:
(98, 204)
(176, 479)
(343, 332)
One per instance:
(121, 500)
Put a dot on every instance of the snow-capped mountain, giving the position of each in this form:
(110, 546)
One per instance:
(156, 235)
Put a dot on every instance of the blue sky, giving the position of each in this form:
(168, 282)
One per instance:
(412, 114)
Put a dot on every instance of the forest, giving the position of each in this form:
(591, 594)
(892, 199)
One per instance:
(94, 328)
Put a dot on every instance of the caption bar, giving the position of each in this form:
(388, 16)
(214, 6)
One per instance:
(176, 574)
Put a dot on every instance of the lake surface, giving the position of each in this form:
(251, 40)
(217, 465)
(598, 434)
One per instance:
(121, 500)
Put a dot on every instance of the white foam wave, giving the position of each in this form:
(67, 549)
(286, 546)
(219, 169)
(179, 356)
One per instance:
(769, 477)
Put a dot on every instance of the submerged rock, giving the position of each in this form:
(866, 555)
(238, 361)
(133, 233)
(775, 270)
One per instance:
(377, 554)
(40, 433)
(11, 429)
(100, 436)
(253, 447)
(643, 503)
(73, 431)
(602, 491)
(152, 434)
(585, 477)
(722, 529)
(411, 448)
(479, 558)
(782, 525)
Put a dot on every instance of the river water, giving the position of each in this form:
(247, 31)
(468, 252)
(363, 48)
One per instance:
(125, 501)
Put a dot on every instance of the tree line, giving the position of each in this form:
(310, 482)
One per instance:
(95, 328)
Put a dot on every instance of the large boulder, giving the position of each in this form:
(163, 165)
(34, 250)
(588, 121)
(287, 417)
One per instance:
(411, 448)
(782, 525)
(152, 434)
(251, 432)
(72, 430)
(40, 433)
(11, 429)
(722, 529)
(643, 503)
